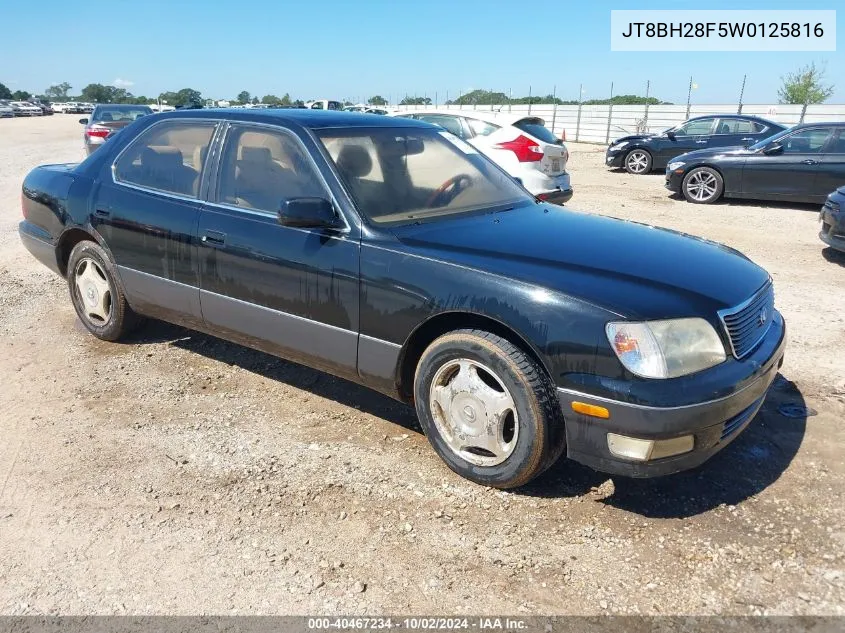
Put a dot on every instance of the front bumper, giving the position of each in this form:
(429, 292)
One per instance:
(615, 158)
(674, 180)
(713, 423)
(832, 232)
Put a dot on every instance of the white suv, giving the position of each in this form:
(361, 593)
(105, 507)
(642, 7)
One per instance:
(520, 144)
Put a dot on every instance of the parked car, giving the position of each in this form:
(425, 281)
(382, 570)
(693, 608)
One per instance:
(24, 108)
(69, 107)
(324, 104)
(390, 253)
(105, 119)
(643, 153)
(801, 164)
(832, 217)
(86, 108)
(46, 109)
(6, 111)
(519, 143)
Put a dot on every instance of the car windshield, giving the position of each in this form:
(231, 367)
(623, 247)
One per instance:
(399, 174)
(120, 113)
(761, 144)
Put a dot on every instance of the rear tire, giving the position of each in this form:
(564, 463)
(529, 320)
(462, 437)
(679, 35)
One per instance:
(96, 293)
(488, 409)
(638, 161)
(703, 185)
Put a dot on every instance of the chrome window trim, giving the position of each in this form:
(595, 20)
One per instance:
(308, 157)
(160, 192)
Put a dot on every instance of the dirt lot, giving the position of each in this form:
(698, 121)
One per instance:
(181, 474)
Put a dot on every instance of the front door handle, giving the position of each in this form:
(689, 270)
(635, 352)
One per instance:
(810, 161)
(213, 238)
(101, 213)
(701, 142)
(748, 138)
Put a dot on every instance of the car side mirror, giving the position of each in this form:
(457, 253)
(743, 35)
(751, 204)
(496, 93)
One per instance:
(670, 134)
(310, 213)
(83, 121)
(773, 149)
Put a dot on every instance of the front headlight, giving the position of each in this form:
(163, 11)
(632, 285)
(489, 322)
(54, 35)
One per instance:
(666, 349)
(615, 146)
(676, 165)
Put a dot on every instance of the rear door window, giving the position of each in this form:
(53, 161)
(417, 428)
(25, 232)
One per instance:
(482, 128)
(167, 157)
(535, 128)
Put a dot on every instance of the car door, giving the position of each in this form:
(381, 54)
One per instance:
(790, 172)
(692, 135)
(831, 171)
(146, 210)
(290, 291)
(734, 132)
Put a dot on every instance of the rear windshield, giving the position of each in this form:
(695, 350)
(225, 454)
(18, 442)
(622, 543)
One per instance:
(535, 128)
(120, 113)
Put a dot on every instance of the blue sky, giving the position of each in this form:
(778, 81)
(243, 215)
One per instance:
(351, 49)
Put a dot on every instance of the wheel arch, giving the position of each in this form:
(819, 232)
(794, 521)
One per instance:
(442, 323)
(67, 241)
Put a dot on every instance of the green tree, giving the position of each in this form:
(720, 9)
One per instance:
(377, 100)
(21, 95)
(58, 92)
(270, 100)
(483, 97)
(244, 97)
(185, 97)
(5, 93)
(285, 100)
(255, 101)
(98, 93)
(805, 86)
(415, 101)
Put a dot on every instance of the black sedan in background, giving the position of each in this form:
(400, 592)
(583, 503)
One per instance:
(833, 220)
(384, 251)
(801, 164)
(640, 154)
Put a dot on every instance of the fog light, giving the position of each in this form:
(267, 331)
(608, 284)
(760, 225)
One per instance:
(643, 450)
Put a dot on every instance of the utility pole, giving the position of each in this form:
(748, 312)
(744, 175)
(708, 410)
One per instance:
(529, 99)
(578, 120)
(741, 93)
(689, 96)
(609, 115)
(645, 118)
(554, 106)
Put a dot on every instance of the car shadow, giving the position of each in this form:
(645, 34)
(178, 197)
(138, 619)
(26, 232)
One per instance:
(750, 464)
(314, 381)
(834, 256)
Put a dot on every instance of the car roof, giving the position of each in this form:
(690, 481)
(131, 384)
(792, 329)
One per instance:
(500, 118)
(817, 124)
(746, 117)
(313, 119)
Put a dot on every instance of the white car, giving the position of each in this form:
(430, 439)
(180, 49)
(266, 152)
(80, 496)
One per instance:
(520, 144)
(23, 108)
(6, 111)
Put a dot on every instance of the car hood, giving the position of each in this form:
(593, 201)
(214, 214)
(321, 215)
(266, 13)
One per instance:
(635, 137)
(631, 269)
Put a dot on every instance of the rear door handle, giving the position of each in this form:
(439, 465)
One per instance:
(810, 161)
(101, 213)
(747, 138)
(701, 142)
(213, 238)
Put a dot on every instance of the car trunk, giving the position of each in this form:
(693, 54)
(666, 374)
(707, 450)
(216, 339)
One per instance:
(555, 155)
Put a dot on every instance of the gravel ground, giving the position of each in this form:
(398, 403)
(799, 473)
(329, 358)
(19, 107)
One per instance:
(179, 474)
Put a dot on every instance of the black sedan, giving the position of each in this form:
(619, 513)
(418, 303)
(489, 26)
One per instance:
(389, 253)
(801, 164)
(832, 217)
(642, 153)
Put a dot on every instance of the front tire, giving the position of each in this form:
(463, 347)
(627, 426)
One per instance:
(703, 185)
(96, 294)
(638, 161)
(488, 409)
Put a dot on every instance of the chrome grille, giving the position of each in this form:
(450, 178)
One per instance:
(747, 323)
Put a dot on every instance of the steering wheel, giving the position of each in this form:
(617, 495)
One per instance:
(449, 190)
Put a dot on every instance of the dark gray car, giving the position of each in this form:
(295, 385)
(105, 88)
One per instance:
(106, 118)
